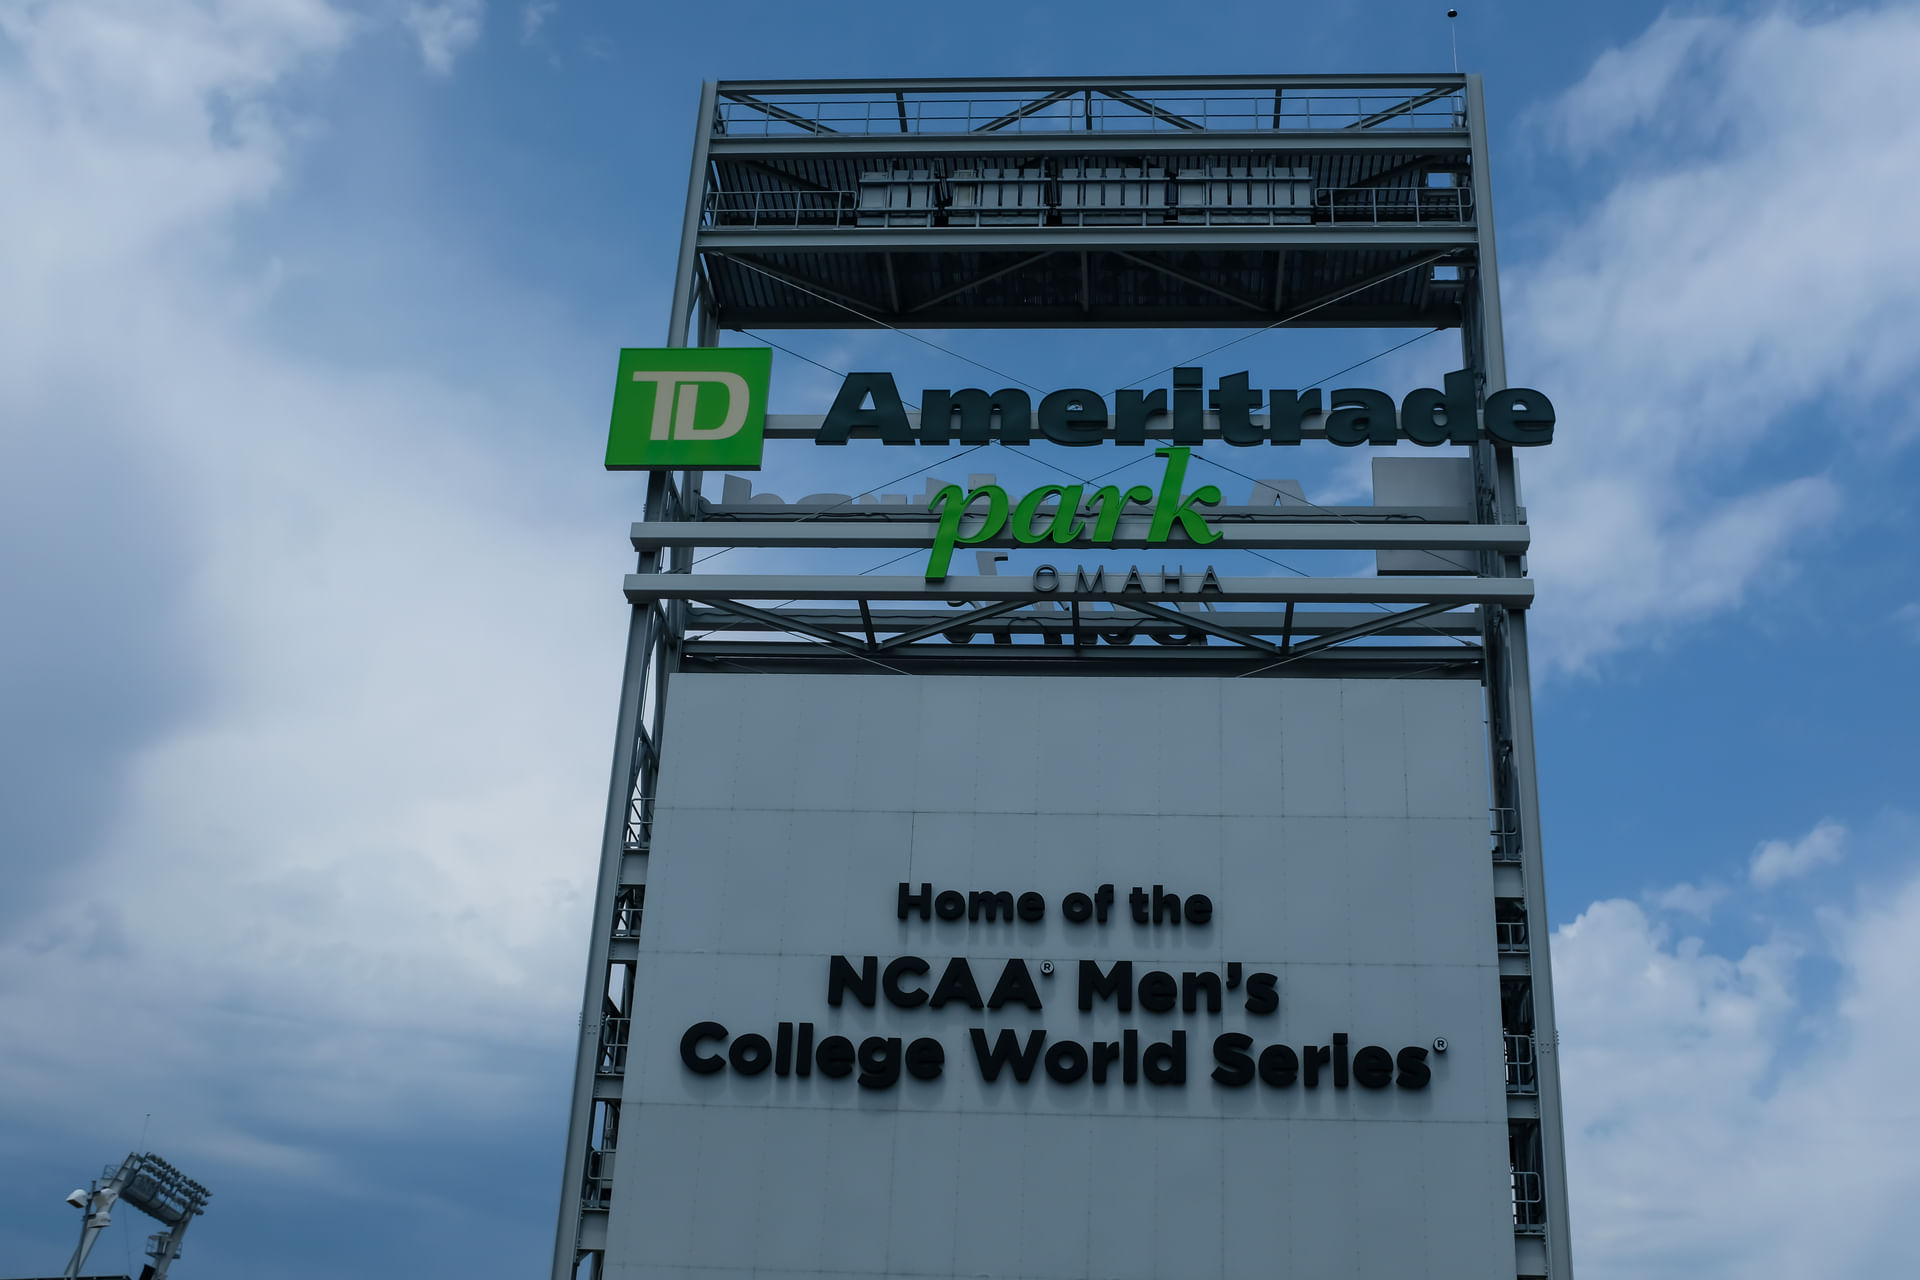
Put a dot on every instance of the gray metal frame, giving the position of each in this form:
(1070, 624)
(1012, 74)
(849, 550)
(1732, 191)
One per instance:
(1445, 625)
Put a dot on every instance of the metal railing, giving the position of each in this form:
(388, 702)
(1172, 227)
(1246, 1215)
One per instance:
(1371, 206)
(1512, 935)
(614, 1035)
(1085, 110)
(596, 1191)
(1529, 1204)
(1337, 206)
(627, 909)
(639, 824)
(1522, 1076)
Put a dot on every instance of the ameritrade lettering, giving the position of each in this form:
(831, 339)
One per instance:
(1064, 523)
(869, 406)
(907, 983)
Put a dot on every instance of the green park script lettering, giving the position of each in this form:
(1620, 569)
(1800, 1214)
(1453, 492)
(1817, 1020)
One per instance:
(1065, 523)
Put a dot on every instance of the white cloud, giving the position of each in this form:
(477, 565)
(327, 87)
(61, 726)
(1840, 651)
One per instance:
(1724, 1123)
(535, 15)
(1778, 860)
(1750, 271)
(353, 869)
(445, 30)
(1690, 899)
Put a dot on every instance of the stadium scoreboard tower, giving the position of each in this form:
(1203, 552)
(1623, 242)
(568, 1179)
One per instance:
(981, 896)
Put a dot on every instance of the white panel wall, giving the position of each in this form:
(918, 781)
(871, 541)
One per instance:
(1340, 828)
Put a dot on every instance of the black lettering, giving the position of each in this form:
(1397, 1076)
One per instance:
(1520, 416)
(1191, 987)
(1137, 900)
(1066, 1061)
(1278, 1066)
(1033, 907)
(1077, 908)
(1102, 899)
(1199, 905)
(1117, 983)
(1166, 1063)
(1006, 1052)
(803, 1051)
(783, 1050)
(841, 978)
(1235, 401)
(1313, 1057)
(1286, 412)
(950, 904)
(836, 1057)
(1130, 1047)
(1166, 906)
(1372, 1067)
(921, 902)
(1431, 417)
(1189, 419)
(1016, 986)
(1361, 416)
(957, 984)
(887, 419)
(690, 1046)
(1230, 1051)
(879, 1062)
(1158, 991)
(1073, 417)
(750, 1054)
(1414, 1072)
(1339, 1059)
(1131, 409)
(996, 905)
(903, 997)
(1105, 1052)
(1261, 996)
(976, 409)
(925, 1059)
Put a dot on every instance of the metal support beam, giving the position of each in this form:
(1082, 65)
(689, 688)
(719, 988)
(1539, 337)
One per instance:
(1406, 237)
(1024, 110)
(977, 281)
(860, 306)
(958, 620)
(1158, 113)
(1195, 281)
(1200, 622)
(778, 113)
(1404, 108)
(1514, 593)
(915, 527)
(777, 622)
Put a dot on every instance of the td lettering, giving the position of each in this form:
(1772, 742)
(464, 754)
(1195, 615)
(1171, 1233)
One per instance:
(689, 407)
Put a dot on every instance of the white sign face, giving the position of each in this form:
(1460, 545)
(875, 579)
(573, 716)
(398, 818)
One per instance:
(829, 1076)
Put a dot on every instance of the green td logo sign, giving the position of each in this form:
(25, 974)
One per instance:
(689, 407)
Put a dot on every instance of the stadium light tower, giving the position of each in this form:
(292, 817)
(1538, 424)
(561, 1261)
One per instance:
(150, 1185)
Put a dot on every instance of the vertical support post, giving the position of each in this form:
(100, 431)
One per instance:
(652, 651)
(1509, 682)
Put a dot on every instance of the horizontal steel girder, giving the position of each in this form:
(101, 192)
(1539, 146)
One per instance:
(1036, 85)
(1513, 593)
(1017, 239)
(1091, 145)
(720, 617)
(915, 529)
(805, 426)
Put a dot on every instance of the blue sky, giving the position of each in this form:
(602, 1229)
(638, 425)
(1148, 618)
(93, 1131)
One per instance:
(308, 312)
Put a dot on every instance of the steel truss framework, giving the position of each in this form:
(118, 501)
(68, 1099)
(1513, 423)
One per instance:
(1167, 256)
